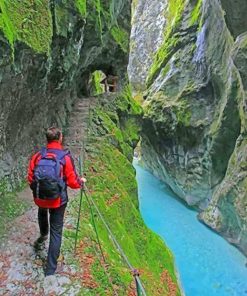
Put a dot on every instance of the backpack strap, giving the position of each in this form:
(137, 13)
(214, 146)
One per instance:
(60, 158)
(60, 154)
(43, 152)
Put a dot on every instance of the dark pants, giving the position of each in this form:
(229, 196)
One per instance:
(56, 229)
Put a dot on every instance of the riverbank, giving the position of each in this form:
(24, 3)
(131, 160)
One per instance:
(207, 264)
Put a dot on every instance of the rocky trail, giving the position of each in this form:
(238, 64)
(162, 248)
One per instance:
(21, 265)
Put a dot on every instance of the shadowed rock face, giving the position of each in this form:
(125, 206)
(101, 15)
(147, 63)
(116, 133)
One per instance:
(236, 19)
(195, 112)
(46, 66)
(146, 17)
(227, 212)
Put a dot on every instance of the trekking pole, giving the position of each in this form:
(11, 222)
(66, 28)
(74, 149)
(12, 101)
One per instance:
(79, 213)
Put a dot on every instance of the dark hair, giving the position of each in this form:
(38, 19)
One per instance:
(53, 134)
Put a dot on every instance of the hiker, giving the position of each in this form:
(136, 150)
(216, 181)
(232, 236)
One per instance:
(50, 171)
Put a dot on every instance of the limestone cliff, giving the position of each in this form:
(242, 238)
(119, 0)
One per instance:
(194, 88)
(48, 51)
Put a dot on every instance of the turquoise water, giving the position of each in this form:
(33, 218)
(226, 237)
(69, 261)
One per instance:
(206, 263)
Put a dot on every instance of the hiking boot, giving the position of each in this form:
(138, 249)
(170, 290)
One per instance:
(40, 241)
(59, 269)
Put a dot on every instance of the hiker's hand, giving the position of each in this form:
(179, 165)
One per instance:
(84, 180)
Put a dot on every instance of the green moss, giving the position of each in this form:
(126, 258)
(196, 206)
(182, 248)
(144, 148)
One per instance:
(175, 112)
(111, 179)
(171, 39)
(196, 13)
(174, 11)
(121, 37)
(6, 24)
(27, 21)
(95, 17)
(183, 113)
(143, 248)
(62, 20)
(162, 56)
(11, 205)
(82, 7)
(97, 86)
(166, 70)
(97, 4)
(126, 103)
(105, 15)
(31, 21)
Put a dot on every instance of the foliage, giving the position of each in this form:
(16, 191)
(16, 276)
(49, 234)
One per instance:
(27, 21)
(11, 205)
(195, 15)
(82, 7)
(172, 39)
(121, 37)
(97, 87)
(31, 21)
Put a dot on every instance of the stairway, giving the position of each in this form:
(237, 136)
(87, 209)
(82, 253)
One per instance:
(77, 130)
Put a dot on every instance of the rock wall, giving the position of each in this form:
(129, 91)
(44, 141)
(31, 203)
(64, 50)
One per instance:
(194, 128)
(48, 51)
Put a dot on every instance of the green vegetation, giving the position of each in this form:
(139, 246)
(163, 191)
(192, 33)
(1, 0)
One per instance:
(183, 113)
(11, 206)
(114, 131)
(176, 112)
(171, 38)
(82, 7)
(103, 15)
(121, 37)
(27, 21)
(96, 85)
(195, 15)
(6, 24)
(31, 21)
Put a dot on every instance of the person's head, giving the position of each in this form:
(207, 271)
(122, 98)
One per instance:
(54, 134)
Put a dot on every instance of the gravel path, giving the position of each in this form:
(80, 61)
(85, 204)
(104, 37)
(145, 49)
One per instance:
(21, 266)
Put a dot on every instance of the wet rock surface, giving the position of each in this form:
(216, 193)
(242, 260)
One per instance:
(39, 87)
(147, 17)
(194, 126)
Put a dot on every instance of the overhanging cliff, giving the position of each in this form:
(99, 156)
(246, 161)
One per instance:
(48, 51)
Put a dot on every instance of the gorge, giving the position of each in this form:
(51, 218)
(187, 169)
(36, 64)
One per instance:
(180, 85)
(192, 78)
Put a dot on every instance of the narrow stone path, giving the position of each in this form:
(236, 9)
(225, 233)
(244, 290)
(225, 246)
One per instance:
(21, 266)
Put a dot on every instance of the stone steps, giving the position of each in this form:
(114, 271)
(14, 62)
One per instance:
(78, 125)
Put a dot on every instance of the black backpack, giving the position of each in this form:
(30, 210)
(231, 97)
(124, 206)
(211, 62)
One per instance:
(47, 182)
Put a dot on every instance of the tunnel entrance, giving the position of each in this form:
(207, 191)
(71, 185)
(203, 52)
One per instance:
(101, 82)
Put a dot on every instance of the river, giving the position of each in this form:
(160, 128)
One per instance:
(207, 264)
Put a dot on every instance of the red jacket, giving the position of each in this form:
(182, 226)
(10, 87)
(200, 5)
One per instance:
(68, 173)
